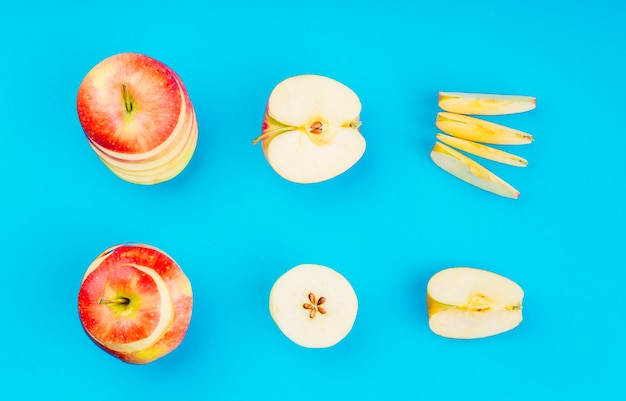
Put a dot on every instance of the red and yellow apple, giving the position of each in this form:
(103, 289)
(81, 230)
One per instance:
(311, 129)
(135, 303)
(138, 118)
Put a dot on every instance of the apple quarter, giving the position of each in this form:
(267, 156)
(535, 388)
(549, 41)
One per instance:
(313, 305)
(311, 129)
(468, 303)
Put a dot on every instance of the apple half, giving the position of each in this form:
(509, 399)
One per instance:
(313, 305)
(468, 170)
(485, 104)
(135, 303)
(469, 303)
(484, 151)
(311, 129)
(138, 118)
(478, 130)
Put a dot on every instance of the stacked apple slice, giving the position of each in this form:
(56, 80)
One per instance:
(138, 118)
(466, 132)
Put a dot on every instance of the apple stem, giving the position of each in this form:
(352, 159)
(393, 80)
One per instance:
(268, 134)
(260, 138)
(127, 102)
(117, 301)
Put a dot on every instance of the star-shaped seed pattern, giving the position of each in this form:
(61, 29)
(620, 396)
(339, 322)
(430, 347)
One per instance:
(314, 305)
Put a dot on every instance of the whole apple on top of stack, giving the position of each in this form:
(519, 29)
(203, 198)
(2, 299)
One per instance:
(311, 129)
(138, 118)
(135, 303)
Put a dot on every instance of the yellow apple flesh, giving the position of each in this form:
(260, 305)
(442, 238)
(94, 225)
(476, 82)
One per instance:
(485, 104)
(469, 303)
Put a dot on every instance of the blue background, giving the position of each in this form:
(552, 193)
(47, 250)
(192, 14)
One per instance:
(387, 224)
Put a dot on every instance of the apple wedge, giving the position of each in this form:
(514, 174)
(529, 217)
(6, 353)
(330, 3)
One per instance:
(469, 171)
(468, 303)
(313, 305)
(311, 129)
(478, 130)
(485, 104)
(484, 151)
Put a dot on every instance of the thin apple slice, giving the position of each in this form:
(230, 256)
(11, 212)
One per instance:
(485, 104)
(478, 130)
(469, 171)
(313, 305)
(468, 303)
(483, 151)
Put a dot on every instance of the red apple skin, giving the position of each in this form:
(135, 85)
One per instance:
(154, 91)
(91, 312)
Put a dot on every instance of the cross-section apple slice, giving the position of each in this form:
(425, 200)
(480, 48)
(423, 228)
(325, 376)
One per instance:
(468, 303)
(469, 171)
(313, 305)
(485, 104)
(483, 151)
(478, 130)
(311, 129)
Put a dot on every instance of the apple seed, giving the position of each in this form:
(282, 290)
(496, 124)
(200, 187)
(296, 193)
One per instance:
(316, 128)
(315, 305)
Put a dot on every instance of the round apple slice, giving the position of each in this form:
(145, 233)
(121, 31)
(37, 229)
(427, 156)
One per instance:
(313, 305)
(311, 129)
(467, 303)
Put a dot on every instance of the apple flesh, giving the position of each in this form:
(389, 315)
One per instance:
(484, 151)
(478, 130)
(485, 104)
(135, 303)
(138, 118)
(313, 305)
(468, 303)
(311, 129)
(471, 172)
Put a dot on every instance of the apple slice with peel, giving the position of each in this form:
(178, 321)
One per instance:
(311, 129)
(478, 130)
(469, 171)
(483, 151)
(313, 305)
(135, 303)
(137, 116)
(485, 104)
(468, 303)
